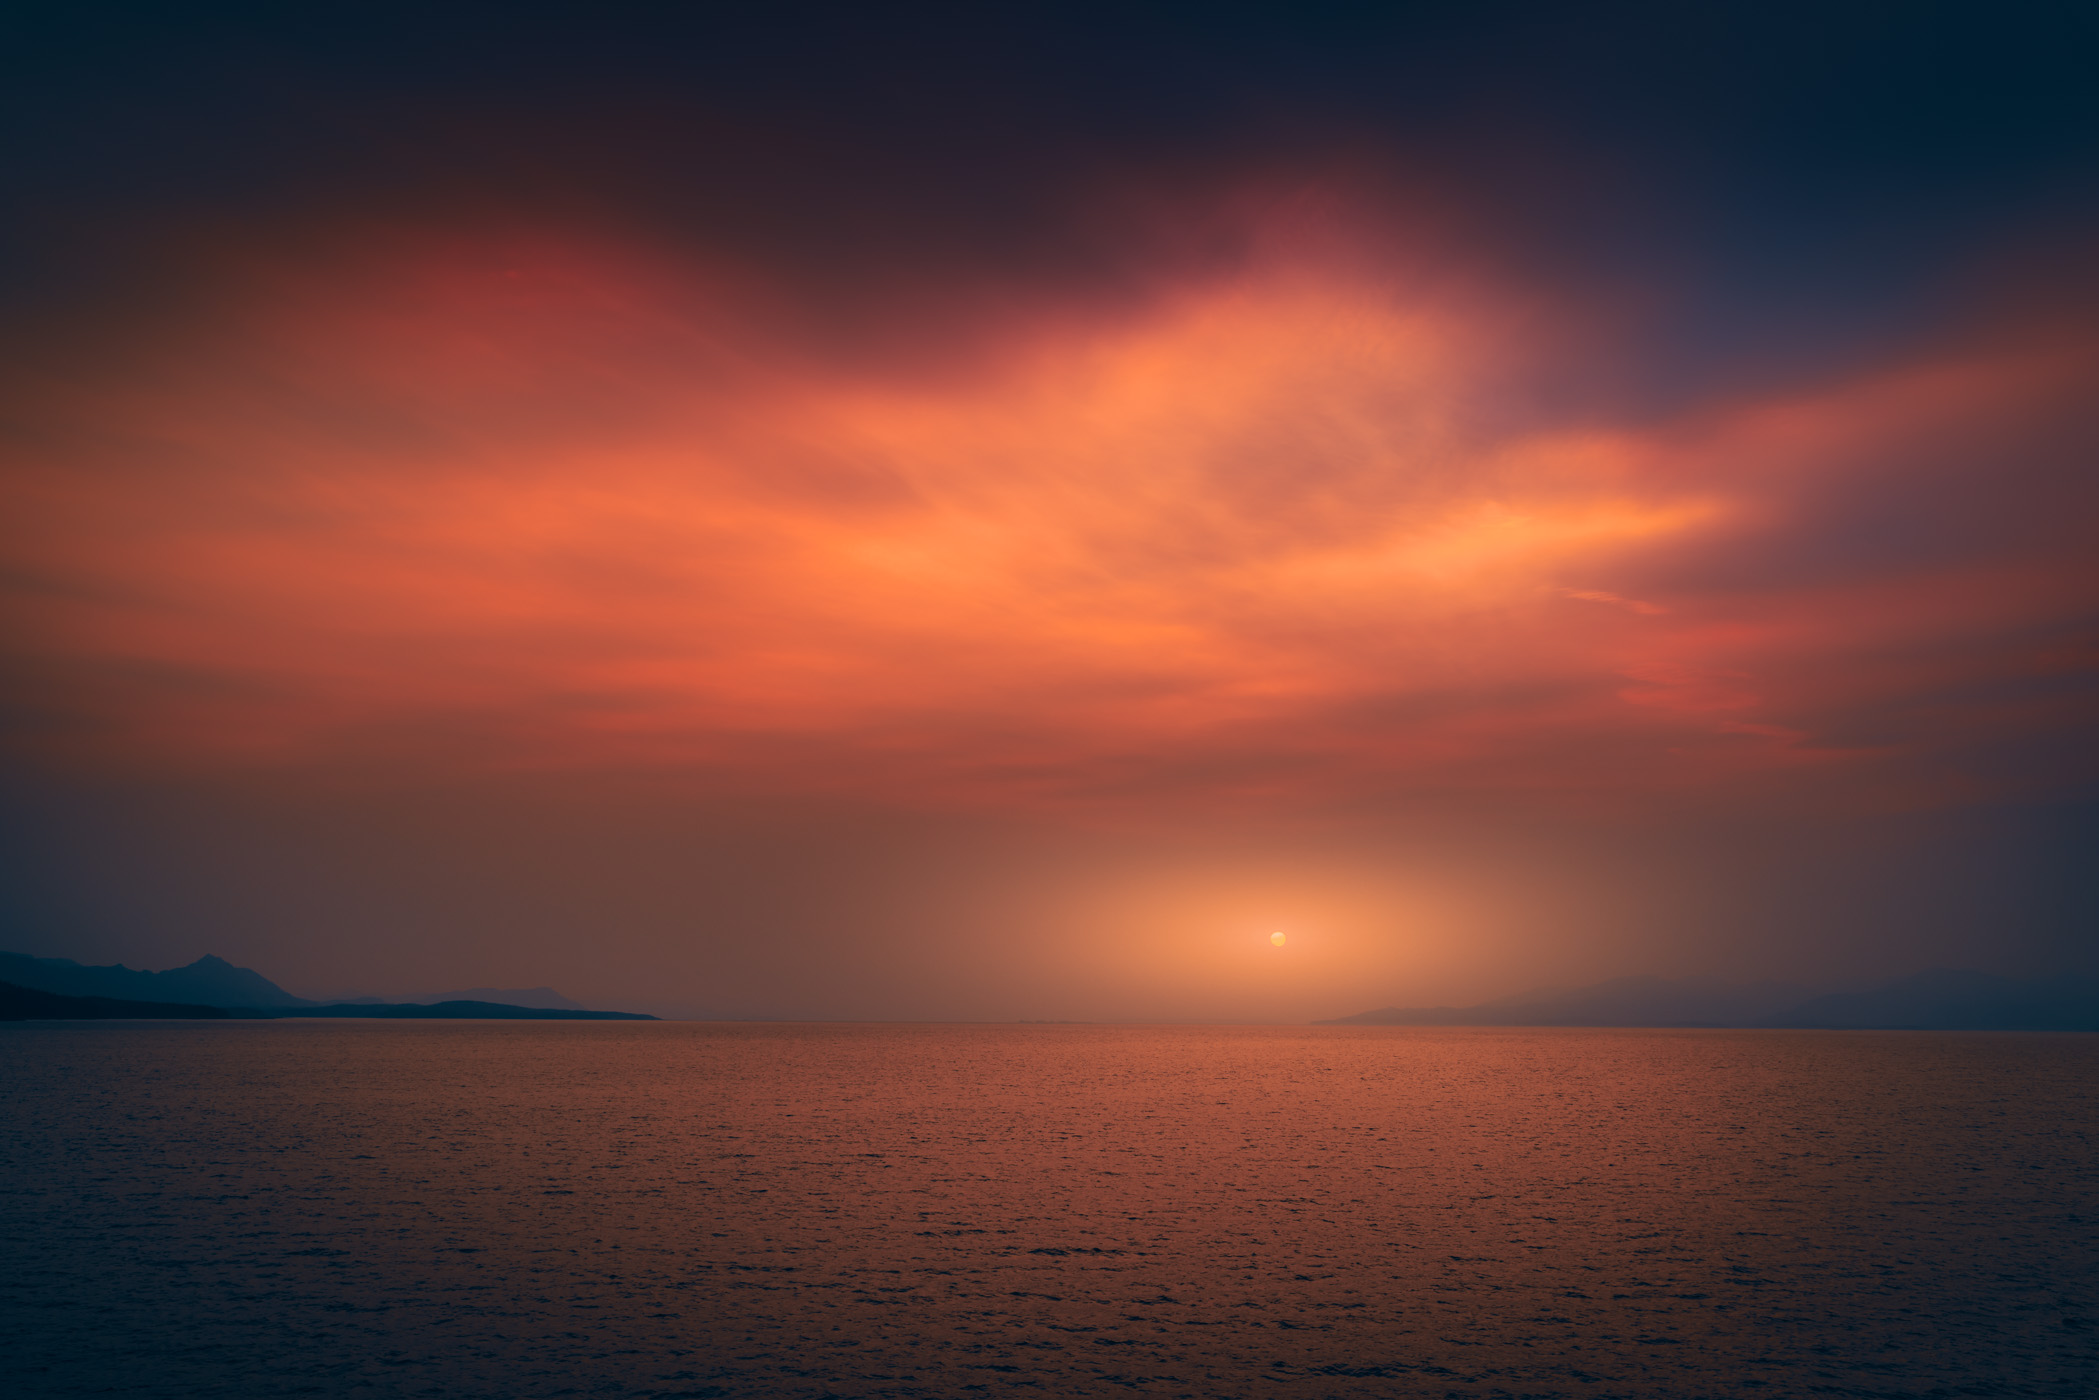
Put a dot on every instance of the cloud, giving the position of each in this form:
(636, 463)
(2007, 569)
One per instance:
(1284, 531)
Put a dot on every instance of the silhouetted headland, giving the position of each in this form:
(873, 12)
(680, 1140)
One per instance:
(455, 1010)
(29, 1004)
(212, 988)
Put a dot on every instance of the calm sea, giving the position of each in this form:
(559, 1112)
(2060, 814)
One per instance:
(538, 1209)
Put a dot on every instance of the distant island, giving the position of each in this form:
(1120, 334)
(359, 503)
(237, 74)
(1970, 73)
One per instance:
(211, 988)
(456, 1010)
(1944, 999)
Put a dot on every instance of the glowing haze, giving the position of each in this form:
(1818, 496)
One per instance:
(1306, 603)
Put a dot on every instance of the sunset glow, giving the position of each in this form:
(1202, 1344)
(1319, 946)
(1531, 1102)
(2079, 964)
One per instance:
(837, 556)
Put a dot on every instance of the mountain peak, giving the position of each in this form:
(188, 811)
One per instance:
(209, 981)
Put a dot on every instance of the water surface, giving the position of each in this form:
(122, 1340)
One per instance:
(538, 1209)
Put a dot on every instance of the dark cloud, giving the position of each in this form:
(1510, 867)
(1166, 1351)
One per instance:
(1776, 166)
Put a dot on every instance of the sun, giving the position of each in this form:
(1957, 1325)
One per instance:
(1276, 938)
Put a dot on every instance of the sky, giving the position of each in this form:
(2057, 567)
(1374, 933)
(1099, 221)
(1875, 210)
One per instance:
(963, 512)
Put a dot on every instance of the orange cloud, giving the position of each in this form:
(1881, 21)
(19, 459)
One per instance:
(1275, 535)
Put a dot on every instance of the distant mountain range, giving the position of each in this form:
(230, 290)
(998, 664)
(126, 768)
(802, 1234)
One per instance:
(1938, 1000)
(211, 987)
(210, 981)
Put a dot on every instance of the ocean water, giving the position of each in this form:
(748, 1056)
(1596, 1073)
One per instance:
(539, 1209)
